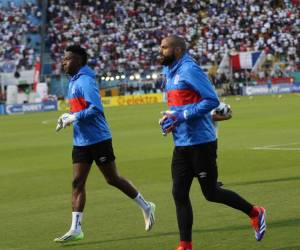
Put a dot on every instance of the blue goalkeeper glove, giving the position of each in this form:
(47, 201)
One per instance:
(171, 119)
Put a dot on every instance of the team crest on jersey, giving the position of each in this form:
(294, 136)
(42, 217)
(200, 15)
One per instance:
(176, 79)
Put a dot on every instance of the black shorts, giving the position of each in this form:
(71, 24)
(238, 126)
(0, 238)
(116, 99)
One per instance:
(195, 161)
(101, 153)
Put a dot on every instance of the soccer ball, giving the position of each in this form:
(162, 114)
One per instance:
(223, 109)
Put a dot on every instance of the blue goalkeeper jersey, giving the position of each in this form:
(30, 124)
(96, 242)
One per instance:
(189, 89)
(90, 126)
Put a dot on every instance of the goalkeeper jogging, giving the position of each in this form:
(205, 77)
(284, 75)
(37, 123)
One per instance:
(191, 98)
(92, 141)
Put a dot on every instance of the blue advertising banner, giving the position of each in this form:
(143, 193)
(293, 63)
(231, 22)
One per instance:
(30, 107)
(271, 89)
(2, 109)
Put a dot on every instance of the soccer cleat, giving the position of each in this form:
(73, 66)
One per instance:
(149, 216)
(70, 236)
(185, 245)
(259, 223)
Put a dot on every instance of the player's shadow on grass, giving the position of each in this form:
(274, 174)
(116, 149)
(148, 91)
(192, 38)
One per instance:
(292, 222)
(294, 178)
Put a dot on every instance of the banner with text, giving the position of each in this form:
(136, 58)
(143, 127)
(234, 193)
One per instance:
(2, 109)
(30, 107)
(271, 89)
(121, 101)
(132, 100)
(63, 105)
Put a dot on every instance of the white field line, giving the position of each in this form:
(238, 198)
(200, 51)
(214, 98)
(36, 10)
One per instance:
(48, 121)
(280, 147)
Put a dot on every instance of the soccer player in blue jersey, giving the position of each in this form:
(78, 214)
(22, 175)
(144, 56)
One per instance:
(92, 141)
(191, 97)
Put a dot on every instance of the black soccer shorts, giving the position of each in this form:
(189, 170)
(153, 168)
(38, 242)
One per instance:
(101, 152)
(195, 161)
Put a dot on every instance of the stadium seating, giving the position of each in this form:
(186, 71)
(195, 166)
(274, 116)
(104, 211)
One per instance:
(122, 37)
(19, 35)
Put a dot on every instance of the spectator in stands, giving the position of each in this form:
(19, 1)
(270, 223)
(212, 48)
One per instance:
(122, 36)
(15, 26)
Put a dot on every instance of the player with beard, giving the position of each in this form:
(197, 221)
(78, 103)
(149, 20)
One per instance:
(92, 141)
(191, 97)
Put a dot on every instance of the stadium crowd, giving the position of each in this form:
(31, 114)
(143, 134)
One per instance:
(123, 36)
(245, 25)
(15, 50)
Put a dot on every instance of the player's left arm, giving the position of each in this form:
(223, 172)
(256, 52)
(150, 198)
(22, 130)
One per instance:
(200, 83)
(91, 96)
(217, 117)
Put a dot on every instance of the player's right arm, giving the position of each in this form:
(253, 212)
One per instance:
(89, 93)
(200, 83)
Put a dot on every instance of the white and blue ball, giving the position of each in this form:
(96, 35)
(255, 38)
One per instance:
(223, 109)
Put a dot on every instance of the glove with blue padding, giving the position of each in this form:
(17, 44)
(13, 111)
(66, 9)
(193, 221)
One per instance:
(171, 119)
(65, 120)
(166, 125)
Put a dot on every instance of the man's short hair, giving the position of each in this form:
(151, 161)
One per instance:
(78, 50)
(178, 41)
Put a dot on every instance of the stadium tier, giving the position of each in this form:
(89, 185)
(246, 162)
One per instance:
(122, 37)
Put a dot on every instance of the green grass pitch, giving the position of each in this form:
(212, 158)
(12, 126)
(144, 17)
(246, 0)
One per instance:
(259, 157)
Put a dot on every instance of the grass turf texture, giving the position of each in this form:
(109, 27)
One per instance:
(35, 181)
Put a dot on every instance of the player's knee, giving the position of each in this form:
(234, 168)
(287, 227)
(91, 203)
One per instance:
(112, 180)
(210, 195)
(77, 184)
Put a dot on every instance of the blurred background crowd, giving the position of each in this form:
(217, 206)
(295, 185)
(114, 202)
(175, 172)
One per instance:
(122, 37)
